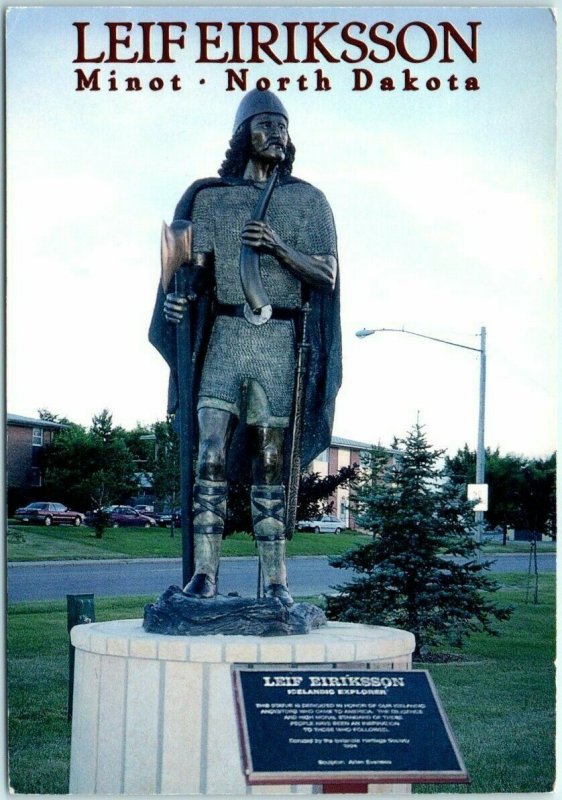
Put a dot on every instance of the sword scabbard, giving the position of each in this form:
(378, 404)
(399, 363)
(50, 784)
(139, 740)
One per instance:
(296, 432)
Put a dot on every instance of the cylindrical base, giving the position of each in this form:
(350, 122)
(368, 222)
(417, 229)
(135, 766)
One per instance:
(155, 714)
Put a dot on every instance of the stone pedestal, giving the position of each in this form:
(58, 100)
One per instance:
(155, 714)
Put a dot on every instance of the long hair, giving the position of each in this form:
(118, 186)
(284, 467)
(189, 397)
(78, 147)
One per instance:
(239, 151)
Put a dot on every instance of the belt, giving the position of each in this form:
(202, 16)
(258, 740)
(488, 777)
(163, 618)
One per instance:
(225, 310)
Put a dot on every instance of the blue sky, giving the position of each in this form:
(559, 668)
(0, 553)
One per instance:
(444, 205)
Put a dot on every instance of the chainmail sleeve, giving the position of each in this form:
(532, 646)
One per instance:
(202, 219)
(317, 233)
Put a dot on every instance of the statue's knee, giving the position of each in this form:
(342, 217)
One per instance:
(211, 462)
(271, 456)
(270, 463)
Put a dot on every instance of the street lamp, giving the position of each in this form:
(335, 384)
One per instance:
(480, 451)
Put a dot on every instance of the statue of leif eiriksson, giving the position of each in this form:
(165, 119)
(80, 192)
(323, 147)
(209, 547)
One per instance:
(262, 298)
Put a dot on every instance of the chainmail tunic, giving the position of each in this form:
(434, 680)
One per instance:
(239, 351)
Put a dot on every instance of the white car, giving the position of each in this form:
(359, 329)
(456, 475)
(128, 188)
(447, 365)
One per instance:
(327, 523)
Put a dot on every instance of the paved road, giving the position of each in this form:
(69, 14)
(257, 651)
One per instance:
(309, 575)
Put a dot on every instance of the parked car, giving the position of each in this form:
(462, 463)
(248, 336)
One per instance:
(123, 516)
(49, 514)
(328, 523)
(148, 510)
(164, 518)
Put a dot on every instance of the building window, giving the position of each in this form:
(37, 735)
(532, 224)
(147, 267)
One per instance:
(36, 477)
(323, 456)
(37, 437)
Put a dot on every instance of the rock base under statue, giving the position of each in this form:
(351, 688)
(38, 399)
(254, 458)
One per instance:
(175, 614)
(155, 714)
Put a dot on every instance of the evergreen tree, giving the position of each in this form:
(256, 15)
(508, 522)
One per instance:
(102, 426)
(420, 571)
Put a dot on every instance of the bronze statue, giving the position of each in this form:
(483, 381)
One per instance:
(260, 247)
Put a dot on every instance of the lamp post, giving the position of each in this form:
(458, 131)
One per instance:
(480, 451)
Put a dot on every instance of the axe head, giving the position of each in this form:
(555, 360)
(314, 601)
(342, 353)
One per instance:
(175, 249)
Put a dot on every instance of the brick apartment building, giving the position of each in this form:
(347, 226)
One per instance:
(25, 437)
(342, 453)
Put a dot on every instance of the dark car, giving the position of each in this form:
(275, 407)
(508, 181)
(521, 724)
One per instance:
(49, 514)
(164, 518)
(123, 516)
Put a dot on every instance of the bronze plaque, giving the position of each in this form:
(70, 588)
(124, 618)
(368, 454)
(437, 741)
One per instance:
(325, 725)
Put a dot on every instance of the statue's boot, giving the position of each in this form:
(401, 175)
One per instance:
(209, 512)
(268, 515)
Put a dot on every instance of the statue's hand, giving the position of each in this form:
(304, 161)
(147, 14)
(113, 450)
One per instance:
(174, 307)
(260, 235)
(319, 270)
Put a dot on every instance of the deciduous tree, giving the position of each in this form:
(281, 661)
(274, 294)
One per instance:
(521, 490)
(90, 468)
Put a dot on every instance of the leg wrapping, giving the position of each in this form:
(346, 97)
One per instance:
(209, 506)
(268, 515)
(209, 512)
(268, 512)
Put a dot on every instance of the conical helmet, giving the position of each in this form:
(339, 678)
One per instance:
(258, 102)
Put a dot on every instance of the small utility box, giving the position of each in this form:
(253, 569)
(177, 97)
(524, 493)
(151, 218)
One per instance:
(80, 610)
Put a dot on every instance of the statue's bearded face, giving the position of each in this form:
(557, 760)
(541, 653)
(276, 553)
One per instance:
(269, 136)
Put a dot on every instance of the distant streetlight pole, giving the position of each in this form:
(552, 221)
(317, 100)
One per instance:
(150, 437)
(480, 450)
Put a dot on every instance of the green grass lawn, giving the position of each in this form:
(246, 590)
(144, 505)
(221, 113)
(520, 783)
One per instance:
(518, 547)
(37, 666)
(500, 700)
(62, 542)
(67, 542)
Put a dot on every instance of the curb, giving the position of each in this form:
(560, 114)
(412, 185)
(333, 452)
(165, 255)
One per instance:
(98, 561)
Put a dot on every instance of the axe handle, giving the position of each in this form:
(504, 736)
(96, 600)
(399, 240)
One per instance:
(185, 396)
(176, 242)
